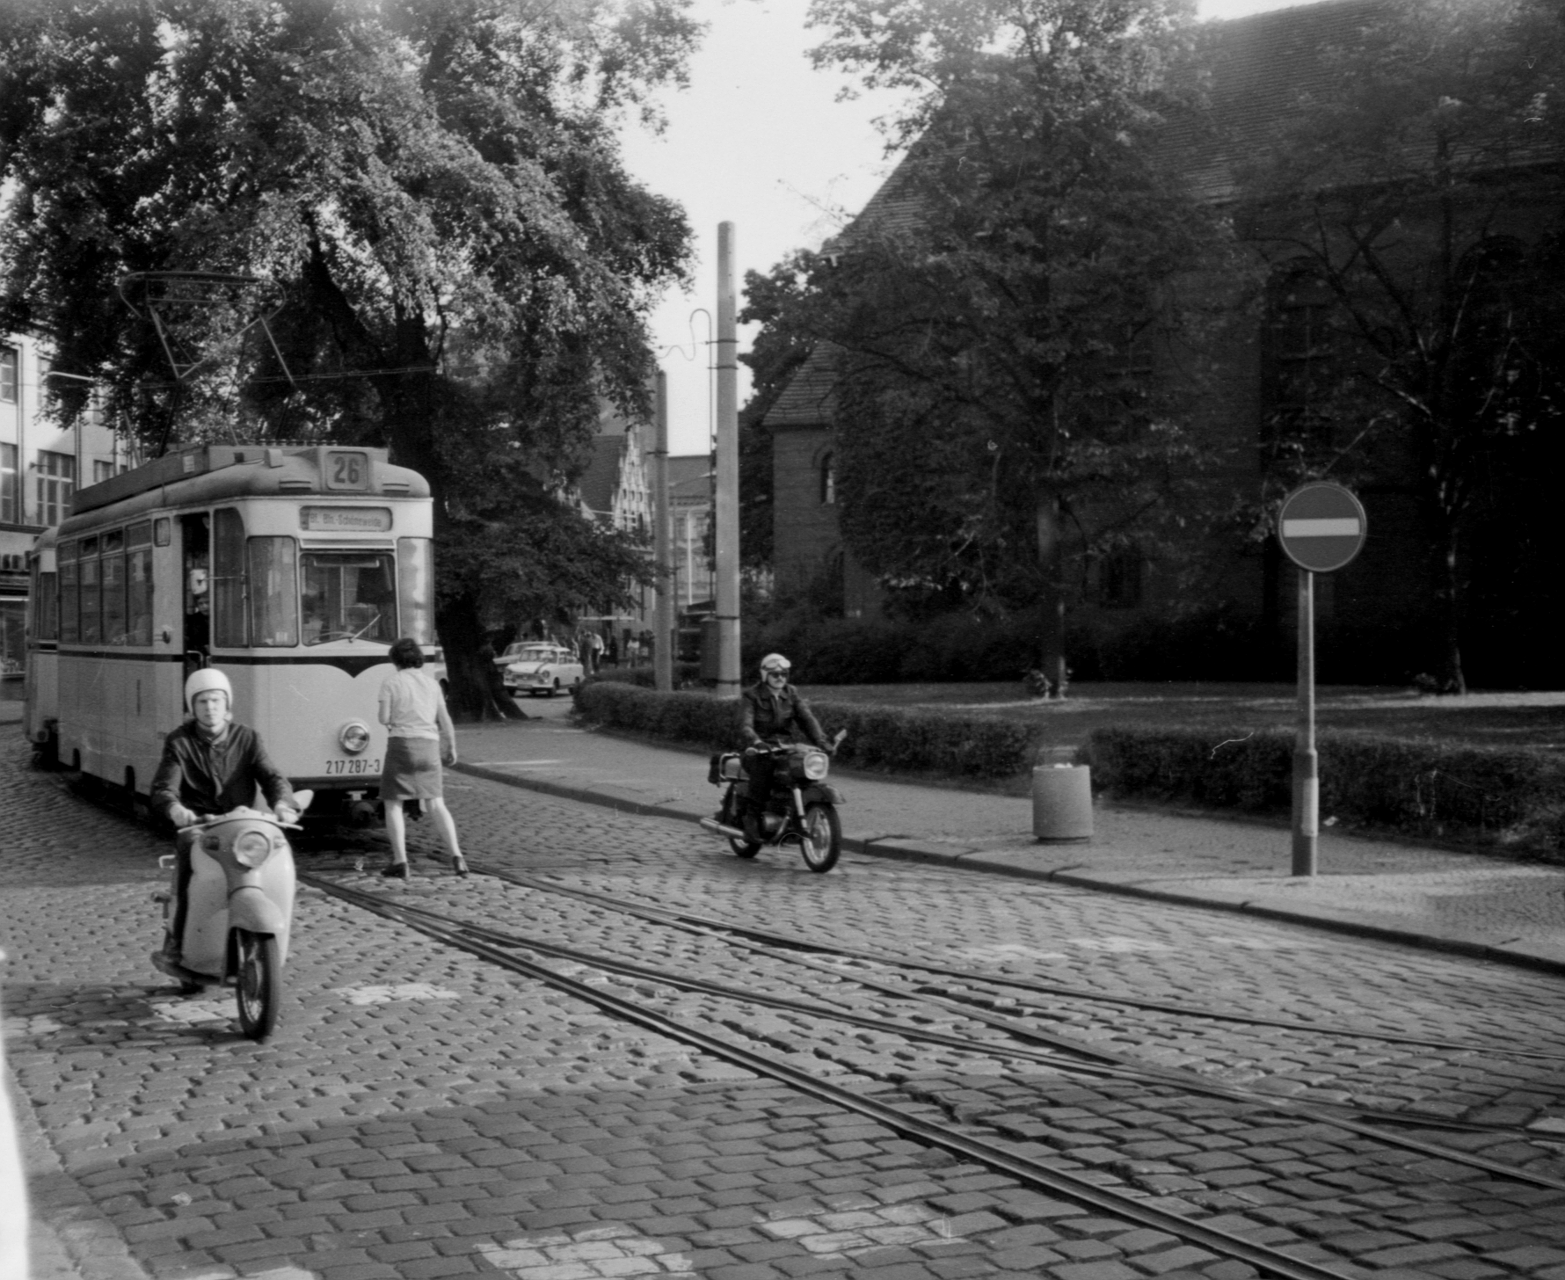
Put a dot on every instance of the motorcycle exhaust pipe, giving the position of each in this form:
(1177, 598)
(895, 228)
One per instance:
(720, 829)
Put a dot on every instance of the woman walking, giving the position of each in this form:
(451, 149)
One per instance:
(419, 735)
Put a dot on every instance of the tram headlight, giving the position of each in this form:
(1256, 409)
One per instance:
(354, 737)
(252, 849)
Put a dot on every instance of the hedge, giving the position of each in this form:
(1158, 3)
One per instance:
(1498, 796)
(1503, 797)
(881, 738)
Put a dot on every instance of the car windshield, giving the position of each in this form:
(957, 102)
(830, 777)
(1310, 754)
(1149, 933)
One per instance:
(349, 596)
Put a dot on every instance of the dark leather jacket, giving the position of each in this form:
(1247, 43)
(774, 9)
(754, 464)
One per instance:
(213, 778)
(785, 717)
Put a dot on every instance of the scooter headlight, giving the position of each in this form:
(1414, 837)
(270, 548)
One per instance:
(354, 737)
(815, 765)
(252, 848)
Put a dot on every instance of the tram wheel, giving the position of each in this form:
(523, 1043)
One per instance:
(259, 988)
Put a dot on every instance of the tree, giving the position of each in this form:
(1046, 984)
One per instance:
(430, 196)
(993, 312)
(1410, 211)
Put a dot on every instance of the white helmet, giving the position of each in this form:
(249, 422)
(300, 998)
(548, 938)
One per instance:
(775, 662)
(206, 679)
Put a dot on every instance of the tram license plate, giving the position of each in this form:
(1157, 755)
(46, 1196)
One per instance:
(352, 766)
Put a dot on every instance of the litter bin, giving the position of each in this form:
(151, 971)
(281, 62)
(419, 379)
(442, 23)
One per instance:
(1062, 802)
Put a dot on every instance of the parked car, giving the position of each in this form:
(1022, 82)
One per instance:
(537, 667)
(435, 664)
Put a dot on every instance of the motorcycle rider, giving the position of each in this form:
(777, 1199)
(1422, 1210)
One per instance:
(211, 765)
(771, 710)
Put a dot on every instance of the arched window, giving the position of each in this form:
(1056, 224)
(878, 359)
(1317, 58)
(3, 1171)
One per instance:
(1301, 363)
(828, 480)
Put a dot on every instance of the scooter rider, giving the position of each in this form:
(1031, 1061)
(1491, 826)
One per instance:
(771, 710)
(210, 766)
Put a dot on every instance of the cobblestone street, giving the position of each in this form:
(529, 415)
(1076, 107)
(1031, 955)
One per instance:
(421, 1112)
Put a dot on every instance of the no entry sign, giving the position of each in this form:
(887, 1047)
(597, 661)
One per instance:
(1321, 527)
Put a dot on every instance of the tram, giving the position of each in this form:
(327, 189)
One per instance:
(291, 570)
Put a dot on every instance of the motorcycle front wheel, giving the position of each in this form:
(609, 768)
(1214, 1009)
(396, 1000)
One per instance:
(822, 843)
(259, 985)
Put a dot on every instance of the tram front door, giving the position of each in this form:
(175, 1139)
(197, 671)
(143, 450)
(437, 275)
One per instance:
(196, 545)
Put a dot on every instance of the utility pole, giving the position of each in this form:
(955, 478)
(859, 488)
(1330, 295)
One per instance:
(664, 583)
(727, 480)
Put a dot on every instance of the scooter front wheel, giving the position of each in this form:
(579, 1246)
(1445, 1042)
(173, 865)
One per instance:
(258, 968)
(822, 843)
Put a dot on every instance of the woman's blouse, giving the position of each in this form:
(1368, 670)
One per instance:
(411, 706)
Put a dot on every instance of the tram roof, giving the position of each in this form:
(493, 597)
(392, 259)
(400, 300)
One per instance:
(212, 472)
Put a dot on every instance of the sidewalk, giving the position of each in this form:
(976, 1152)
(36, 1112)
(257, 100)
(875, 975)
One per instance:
(1469, 903)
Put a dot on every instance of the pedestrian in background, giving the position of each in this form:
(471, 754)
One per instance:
(596, 643)
(419, 736)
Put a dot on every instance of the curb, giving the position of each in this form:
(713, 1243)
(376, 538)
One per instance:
(903, 849)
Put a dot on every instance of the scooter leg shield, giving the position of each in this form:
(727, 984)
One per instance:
(249, 908)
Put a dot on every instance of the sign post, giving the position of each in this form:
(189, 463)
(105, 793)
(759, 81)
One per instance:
(1321, 528)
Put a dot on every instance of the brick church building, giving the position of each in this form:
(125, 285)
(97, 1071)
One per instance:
(1376, 620)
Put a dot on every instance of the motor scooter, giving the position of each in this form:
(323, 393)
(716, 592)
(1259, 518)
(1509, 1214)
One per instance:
(240, 911)
(801, 810)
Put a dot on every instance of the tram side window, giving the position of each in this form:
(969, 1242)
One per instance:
(70, 593)
(416, 588)
(91, 596)
(274, 592)
(138, 582)
(228, 579)
(45, 624)
(112, 587)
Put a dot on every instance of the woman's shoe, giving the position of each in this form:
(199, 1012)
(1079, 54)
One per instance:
(459, 865)
(396, 871)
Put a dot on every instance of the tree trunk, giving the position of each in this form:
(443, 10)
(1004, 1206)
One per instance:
(1051, 573)
(1451, 678)
(477, 692)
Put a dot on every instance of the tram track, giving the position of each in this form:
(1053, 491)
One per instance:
(1061, 1055)
(714, 926)
(1026, 1171)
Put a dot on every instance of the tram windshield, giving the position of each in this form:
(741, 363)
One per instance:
(349, 595)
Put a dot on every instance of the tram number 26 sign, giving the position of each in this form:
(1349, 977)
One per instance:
(1321, 527)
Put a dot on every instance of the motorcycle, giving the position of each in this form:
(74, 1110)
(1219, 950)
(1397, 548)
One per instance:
(802, 807)
(239, 914)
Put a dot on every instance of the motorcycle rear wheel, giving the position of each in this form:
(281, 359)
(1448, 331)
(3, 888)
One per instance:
(259, 985)
(743, 848)
(822, 843)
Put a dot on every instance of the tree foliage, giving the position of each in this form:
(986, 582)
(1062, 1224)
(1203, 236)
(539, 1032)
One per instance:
(428, 192)
(1410, 209)
(993, 312)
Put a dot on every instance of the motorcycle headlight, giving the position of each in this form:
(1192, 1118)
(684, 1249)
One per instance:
(354, 737)
(252, 849)
(814, 765)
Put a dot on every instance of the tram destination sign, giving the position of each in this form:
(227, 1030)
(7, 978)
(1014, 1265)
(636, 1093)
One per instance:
(345, 519)
(1322, 526)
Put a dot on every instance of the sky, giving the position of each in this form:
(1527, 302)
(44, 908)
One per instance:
(760, 139)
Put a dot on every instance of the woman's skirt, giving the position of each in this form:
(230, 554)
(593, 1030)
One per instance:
(412, 770)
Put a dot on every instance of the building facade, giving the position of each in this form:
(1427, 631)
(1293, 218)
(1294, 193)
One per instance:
(42, 464)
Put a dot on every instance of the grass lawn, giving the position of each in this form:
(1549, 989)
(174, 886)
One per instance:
(1487, 719)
